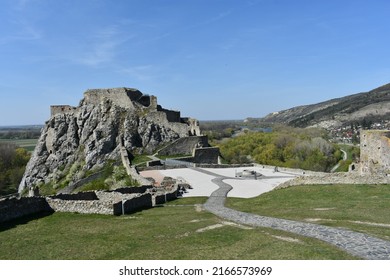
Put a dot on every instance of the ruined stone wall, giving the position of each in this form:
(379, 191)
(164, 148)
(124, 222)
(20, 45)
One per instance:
(185, 145)
(172, 116)
(160, 118)
(84, 206)
(13, 208)
(121, 97)
(340, 178)
(121, 201)
(193, 126)
(208, 155)
(138, 203)
(375, 152)
(61, 109)
(166, 196)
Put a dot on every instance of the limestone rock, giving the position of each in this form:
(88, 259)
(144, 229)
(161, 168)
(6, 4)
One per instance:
(82, 138)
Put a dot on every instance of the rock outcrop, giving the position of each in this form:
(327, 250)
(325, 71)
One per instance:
(78, 139)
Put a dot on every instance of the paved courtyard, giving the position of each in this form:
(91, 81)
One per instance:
(219, 183)
(202, 184)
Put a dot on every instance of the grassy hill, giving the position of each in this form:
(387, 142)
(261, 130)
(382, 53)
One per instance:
(369, 106)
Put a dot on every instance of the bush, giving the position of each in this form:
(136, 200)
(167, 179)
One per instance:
(294, 148)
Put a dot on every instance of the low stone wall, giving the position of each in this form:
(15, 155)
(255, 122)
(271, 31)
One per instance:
(202, 165)
(166, 196)
(184, 146)
(13, 208)
(84, 206)
(121, 201)
(126, 190)
(137, 203)
(342, 178)
(76, 196)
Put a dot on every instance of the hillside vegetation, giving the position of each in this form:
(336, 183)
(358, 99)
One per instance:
(287, 147)
(13, 160)
(361, 108)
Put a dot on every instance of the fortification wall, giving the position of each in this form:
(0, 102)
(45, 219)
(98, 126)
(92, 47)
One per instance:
(208, 155)
(375, 152)
(172, 116)
(122, 97)
(161, 118)
(184, 146)
(193, 126)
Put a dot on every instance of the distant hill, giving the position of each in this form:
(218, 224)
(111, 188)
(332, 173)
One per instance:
(365, 107)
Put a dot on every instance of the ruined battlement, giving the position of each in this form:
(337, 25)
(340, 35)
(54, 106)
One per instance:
(375, 152)
(61, 109)
(129, 98)
(92, 132)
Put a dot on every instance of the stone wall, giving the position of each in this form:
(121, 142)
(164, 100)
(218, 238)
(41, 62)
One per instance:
(117, 202)
(375, 152)
(208, 155)
(342, 178)
(122, 97)
(77, 196)
(131, 170)
(137, 203)
(172, 116)
(184, 146)
(13, 208)
(161, 198)
(193, 126)
(84, 206)
(162, 120)
(61, 109)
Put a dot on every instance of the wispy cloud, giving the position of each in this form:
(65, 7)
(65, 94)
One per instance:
(140, 72)
(18, 25)
(101, 47)
(25, 32)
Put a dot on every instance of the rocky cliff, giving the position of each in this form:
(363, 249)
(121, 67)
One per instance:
(76, 140)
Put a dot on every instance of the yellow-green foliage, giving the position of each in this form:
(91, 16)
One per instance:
(289, 148)
(12, 164)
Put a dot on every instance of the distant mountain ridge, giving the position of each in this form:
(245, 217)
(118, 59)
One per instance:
(371, 106)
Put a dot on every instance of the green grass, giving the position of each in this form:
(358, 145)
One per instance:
(169, 232)
(28, 144)
(140, 159)
(164, 157)
(332, 205)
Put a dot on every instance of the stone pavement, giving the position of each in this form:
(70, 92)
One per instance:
(357, 244)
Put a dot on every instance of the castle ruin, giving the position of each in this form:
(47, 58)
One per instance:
(133, 99)
(375, 152)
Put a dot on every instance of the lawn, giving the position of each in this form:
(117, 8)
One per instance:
(362, 208)
(179, 230)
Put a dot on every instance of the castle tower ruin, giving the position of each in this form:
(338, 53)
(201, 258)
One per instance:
(375, 152)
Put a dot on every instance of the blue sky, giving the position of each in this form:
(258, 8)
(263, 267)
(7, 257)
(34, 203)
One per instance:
(210, 59)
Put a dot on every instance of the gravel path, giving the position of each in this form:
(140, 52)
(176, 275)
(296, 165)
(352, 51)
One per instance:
(357, 244)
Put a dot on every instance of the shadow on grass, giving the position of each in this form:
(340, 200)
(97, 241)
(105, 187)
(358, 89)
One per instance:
(23, 220)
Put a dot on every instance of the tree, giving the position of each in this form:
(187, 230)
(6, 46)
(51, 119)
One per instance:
(12, 165)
